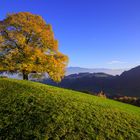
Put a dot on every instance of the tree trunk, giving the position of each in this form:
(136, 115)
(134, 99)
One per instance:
(25, 75)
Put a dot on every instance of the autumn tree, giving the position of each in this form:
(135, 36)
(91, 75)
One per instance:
(27, 45)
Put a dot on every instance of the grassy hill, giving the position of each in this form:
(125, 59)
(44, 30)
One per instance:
(31, 110)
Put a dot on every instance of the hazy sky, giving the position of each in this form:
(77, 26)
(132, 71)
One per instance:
(93, 33)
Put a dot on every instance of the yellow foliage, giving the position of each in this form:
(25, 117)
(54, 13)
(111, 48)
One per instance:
(27, 45)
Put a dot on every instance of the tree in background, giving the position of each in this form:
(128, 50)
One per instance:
(27, 45)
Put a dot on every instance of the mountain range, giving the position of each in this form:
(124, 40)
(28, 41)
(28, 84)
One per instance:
(125, 84)
(73, 70)
(76, 70)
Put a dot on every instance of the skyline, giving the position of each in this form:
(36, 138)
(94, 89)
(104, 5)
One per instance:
(94, 34)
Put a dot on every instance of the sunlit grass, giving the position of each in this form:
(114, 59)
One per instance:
(30, 110)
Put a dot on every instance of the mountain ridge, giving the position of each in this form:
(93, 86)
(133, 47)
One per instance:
(74, 70)
(126, 84)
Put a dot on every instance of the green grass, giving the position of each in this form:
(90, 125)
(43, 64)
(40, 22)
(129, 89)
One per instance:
(31, 111)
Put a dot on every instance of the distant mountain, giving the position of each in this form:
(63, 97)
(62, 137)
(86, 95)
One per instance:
(76, 70)
(127, 84)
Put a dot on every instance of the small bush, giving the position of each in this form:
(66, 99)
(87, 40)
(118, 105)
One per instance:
(101, 94)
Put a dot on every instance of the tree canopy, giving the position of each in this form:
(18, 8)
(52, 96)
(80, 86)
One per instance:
(27, 45)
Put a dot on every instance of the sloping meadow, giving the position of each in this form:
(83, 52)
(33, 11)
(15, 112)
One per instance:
(30, 110)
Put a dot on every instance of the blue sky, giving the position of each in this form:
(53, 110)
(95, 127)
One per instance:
(93, 33)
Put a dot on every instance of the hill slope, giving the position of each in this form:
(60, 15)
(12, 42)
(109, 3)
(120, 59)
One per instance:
(31, 110)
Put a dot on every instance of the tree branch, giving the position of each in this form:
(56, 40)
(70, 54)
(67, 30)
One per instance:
(6, 33)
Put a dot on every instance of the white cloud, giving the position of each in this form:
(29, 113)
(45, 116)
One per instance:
(116, 62)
